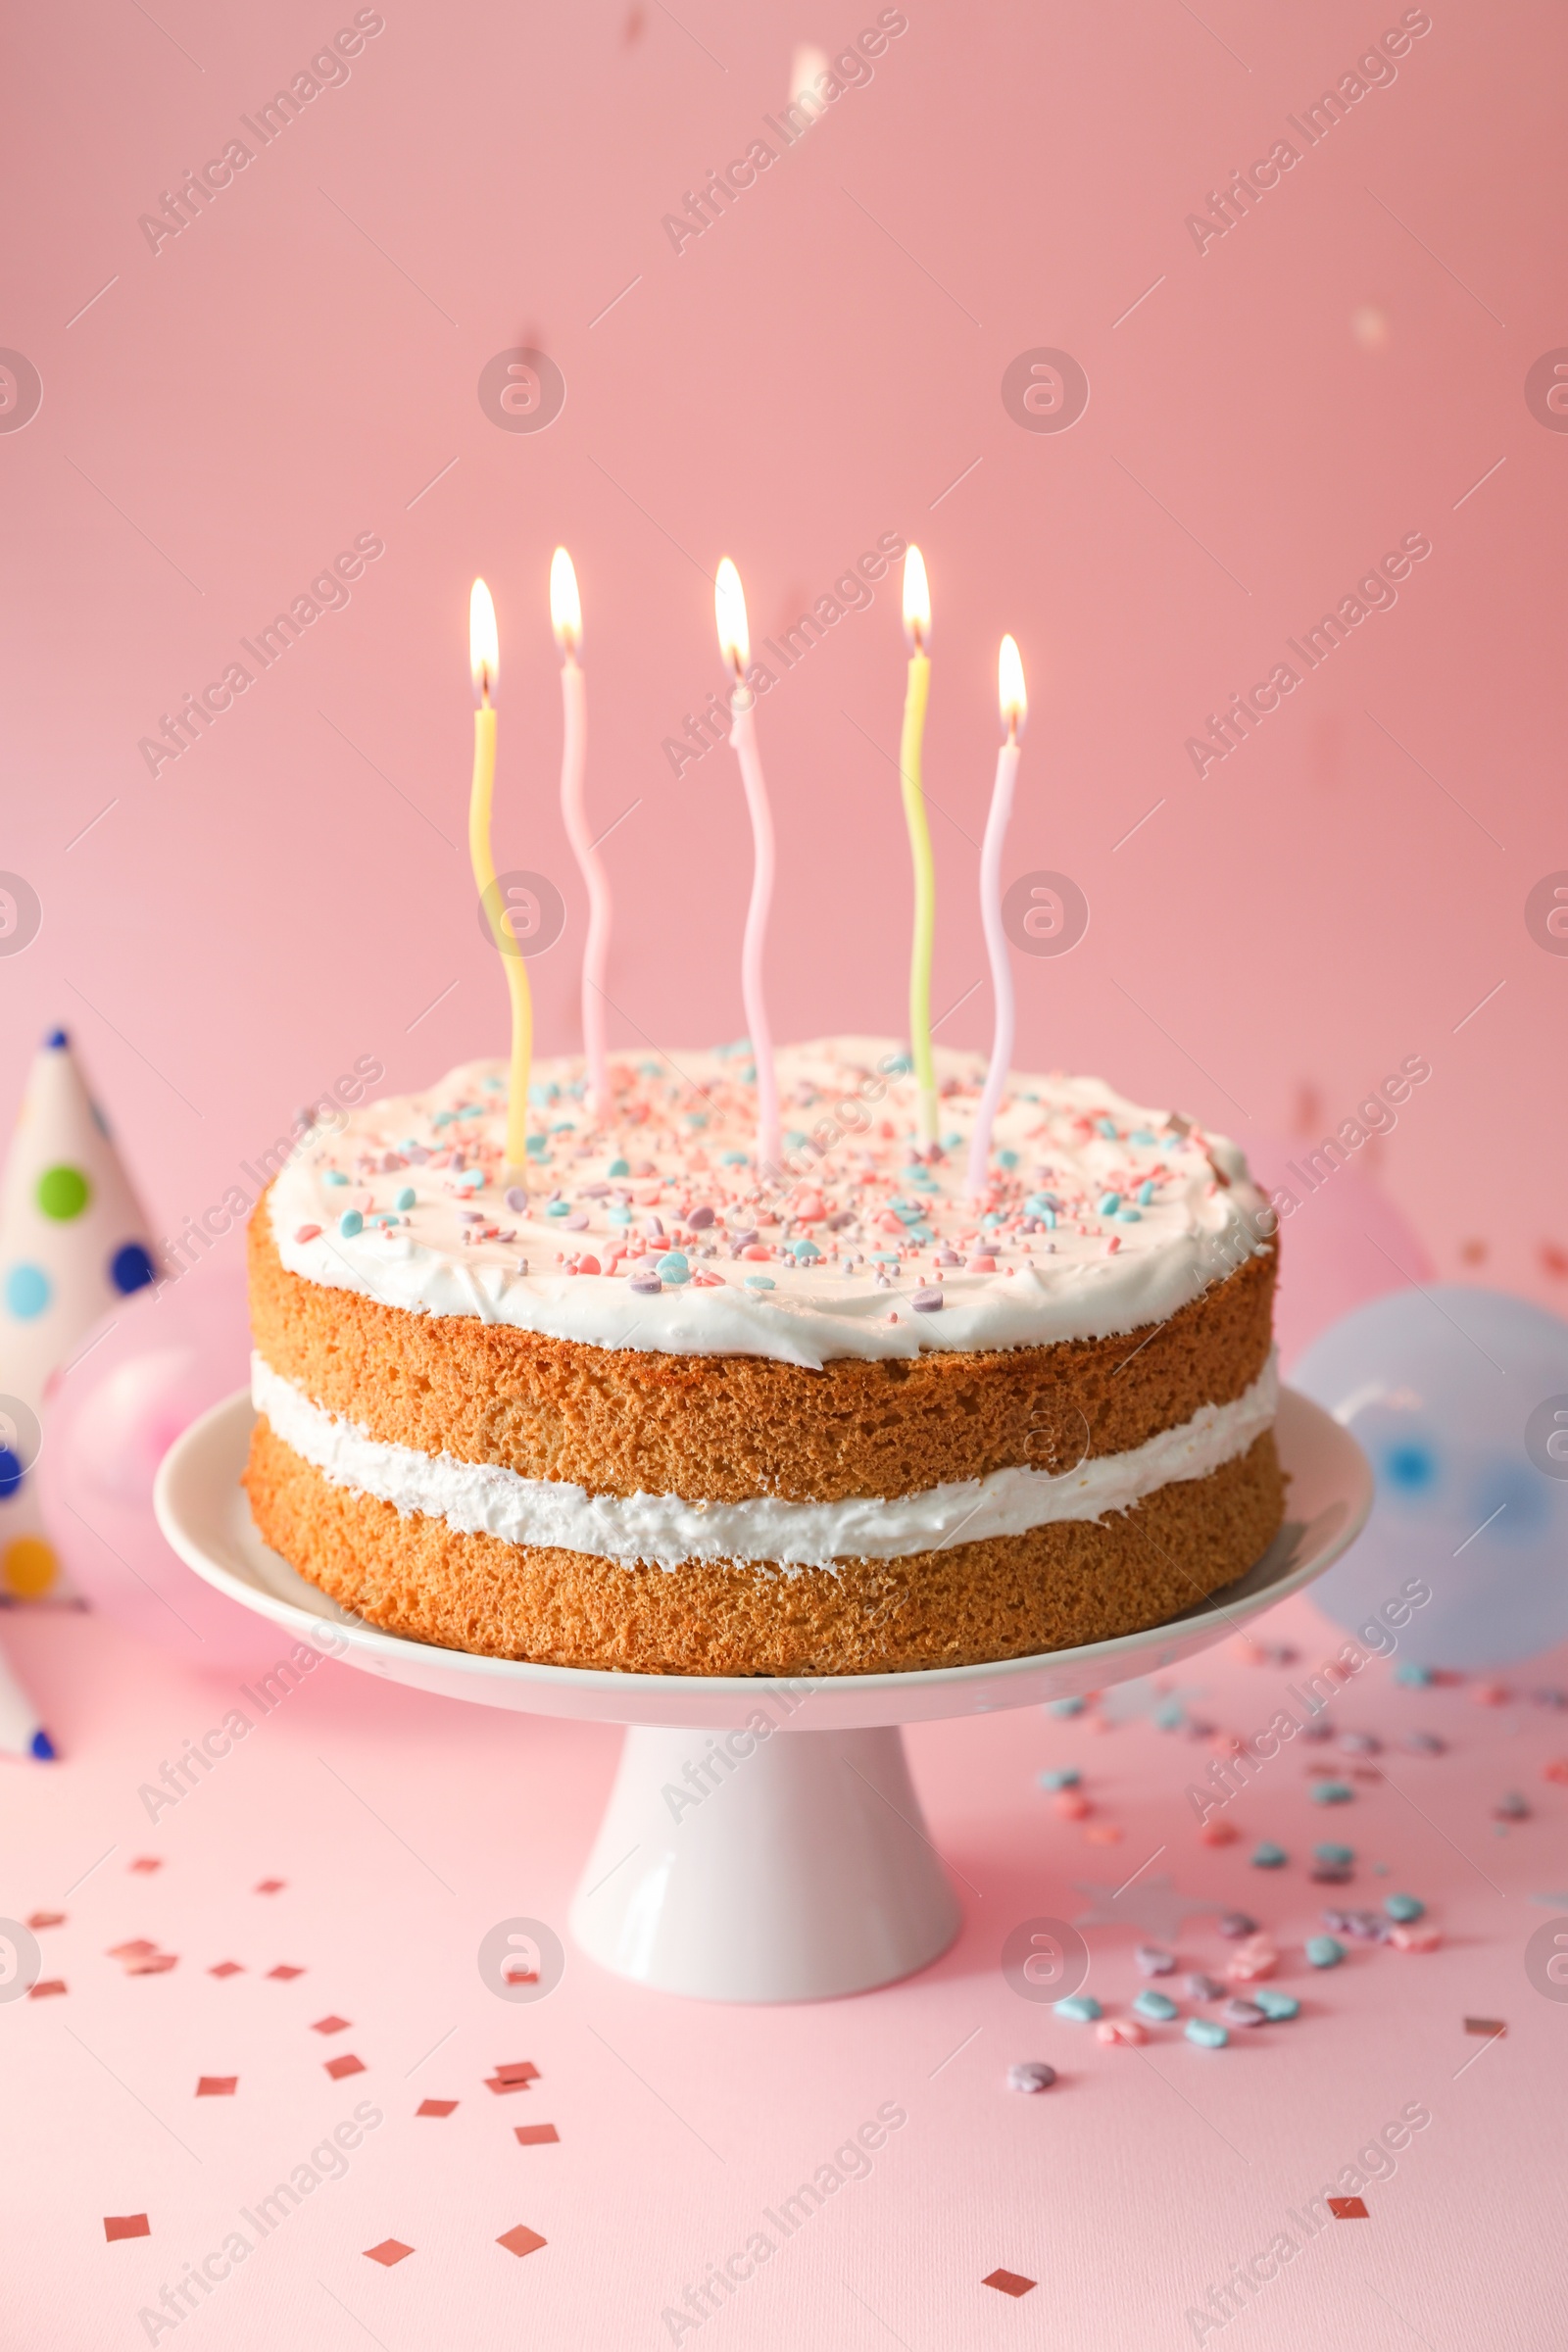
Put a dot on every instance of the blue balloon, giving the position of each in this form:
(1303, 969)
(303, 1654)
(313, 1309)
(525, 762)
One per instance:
(1459, 1398)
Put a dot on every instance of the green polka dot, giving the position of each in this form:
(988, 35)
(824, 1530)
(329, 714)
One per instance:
(63, 1192)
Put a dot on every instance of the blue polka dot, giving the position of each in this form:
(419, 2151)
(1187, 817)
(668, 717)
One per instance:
(1411, 1466)
(28, 1291)
(12, 1473)
(131, 1268)
(57, 1041)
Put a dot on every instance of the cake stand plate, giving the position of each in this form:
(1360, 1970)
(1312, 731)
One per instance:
(764, 1841)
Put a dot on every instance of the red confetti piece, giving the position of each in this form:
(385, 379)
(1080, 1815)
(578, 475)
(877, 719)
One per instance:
(435, 2107)
(522, 2240)
(147, 1862)
(1489, 2027)
(126, 2225)
(217, 2086)
(1008, 2283)
(337, 2068)
(227, 1968)
(1554, 1769)
(1219, 1832)
(331, 2025)
(389, 2251)
(57, 1919)
(523, 2070)
(270, 1886)
(285, 1973)
(534, 2136)
(44, 1986)
(157, 1963)
(131, 1951)
(1348, 2208)
(1102, 1832)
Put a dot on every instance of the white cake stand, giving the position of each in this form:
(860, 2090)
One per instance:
(764, 1841)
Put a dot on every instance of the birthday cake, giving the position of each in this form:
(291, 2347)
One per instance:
(659, 1411)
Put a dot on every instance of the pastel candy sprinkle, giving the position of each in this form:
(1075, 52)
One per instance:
(672, 1267)
(1031, 2074)
(758, 1281)
(1236, 1924)
(1407, 1671)
(1125, 2030)
(1203, 1988)
(1404, 1907)
(1153, 1960)
(334, 1176)
(1157, 2006)
(1332, 1792)
(1079, 2008)
(1062, 1775)
(1206, 2034)
(350, 1223)
(406, 1197)
(1244, 2012)
(1269, 1856)
(1278, 2007)
(1324, 1951)
(1338, 1857)
(1064, 1706)
(516, 1199)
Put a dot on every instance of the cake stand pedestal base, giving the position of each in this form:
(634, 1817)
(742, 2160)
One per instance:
(793, 1871)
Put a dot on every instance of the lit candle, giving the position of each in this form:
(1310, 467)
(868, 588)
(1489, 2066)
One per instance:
(484, 660)
(566, 618)
(1014, 709)
(735, 644)
(917, 629)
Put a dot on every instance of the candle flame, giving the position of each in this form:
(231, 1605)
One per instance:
(566, 605)
(484, 646)
(1011, 691)
(916, 601)
(729, 610)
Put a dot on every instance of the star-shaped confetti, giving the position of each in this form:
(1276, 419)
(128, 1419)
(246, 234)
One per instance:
(1149, 1903)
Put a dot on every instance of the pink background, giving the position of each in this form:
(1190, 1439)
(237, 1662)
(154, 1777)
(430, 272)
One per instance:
(301, 366)
(279, 377)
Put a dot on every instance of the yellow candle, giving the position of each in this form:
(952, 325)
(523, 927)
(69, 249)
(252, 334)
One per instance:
(917, 628)
(483, 656)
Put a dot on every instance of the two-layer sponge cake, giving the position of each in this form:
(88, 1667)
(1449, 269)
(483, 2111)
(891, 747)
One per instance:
(662, 1412)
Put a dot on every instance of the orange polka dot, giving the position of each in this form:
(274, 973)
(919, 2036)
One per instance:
(29, 1567)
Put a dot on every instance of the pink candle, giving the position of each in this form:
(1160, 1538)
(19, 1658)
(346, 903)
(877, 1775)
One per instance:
(734, 638)
(566, 618)
(1014, 709)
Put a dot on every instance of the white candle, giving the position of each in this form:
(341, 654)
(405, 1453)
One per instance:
(735, 644)
(1015, 704)
(566, 618)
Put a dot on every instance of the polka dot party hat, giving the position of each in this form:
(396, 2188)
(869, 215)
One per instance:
(72, 1239)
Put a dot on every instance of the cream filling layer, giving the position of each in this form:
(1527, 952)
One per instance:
(667, 1532)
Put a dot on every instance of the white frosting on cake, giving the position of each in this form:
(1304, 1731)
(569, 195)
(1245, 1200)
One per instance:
(1103, 1215)
(663, 1531)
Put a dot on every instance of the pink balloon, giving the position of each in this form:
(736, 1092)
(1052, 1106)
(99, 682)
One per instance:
(1343, 1243)
(161, 1358)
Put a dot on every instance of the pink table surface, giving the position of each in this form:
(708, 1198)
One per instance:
(404, 1827)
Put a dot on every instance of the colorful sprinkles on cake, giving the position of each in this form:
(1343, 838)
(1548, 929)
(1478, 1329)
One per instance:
(1097, 1216)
